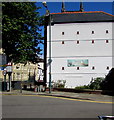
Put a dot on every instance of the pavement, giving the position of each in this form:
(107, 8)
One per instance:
(80, 96)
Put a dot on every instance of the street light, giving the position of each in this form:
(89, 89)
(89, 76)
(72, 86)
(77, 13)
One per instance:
(44, 3)
(48, 14)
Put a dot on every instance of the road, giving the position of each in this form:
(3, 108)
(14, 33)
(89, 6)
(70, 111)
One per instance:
(34, 106)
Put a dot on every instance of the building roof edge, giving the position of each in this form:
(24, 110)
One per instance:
(75, 12)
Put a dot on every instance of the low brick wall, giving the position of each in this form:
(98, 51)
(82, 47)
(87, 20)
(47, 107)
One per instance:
(104, 92)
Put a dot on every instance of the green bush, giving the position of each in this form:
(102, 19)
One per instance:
(82, 87)
(107, 83)
(95, 84)
(59, 84)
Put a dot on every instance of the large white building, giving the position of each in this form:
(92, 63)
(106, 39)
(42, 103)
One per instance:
(81, 46)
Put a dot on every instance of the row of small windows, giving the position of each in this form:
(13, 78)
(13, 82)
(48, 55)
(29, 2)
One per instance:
(93, 68)
(92, 41)
(92, 32)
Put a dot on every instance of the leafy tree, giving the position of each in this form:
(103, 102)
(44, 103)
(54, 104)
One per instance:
(21, 23)
(107, 83)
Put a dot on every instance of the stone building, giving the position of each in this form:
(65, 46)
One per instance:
(27, 74)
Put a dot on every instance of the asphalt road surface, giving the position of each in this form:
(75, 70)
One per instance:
(34, 106)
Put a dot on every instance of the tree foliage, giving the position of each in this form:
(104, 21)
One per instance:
(21, 31)
(107, 83)
(95, 84)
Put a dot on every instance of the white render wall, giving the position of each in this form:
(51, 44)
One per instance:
(98, 54)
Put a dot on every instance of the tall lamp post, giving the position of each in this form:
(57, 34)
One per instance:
(48, 14)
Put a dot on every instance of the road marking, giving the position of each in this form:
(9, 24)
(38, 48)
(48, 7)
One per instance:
(66, 98)
(78, 99)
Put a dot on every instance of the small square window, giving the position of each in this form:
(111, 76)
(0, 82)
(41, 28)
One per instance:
(107, 41)
(107, 68)
(106, 31)
(78, 68)
(92, 32)
(63, 42)
(17, 67)
(78, 42)
(93, 41)
(62, 68)
(63, 33)
(78, 32)
(93, 68)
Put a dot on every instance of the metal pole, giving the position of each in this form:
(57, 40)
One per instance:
(5, 82)
(49, 52)
(21, 80)
(5, 86)
(9, 80)
(48, 14)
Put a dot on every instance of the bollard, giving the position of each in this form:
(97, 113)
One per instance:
(35, 89)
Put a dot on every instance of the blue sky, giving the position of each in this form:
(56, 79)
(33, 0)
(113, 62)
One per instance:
(55, 7)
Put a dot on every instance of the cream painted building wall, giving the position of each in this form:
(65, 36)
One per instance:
(26, 72)
(21, 72)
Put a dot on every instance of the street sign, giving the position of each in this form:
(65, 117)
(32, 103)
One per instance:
(9, 68)
(49, 62)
